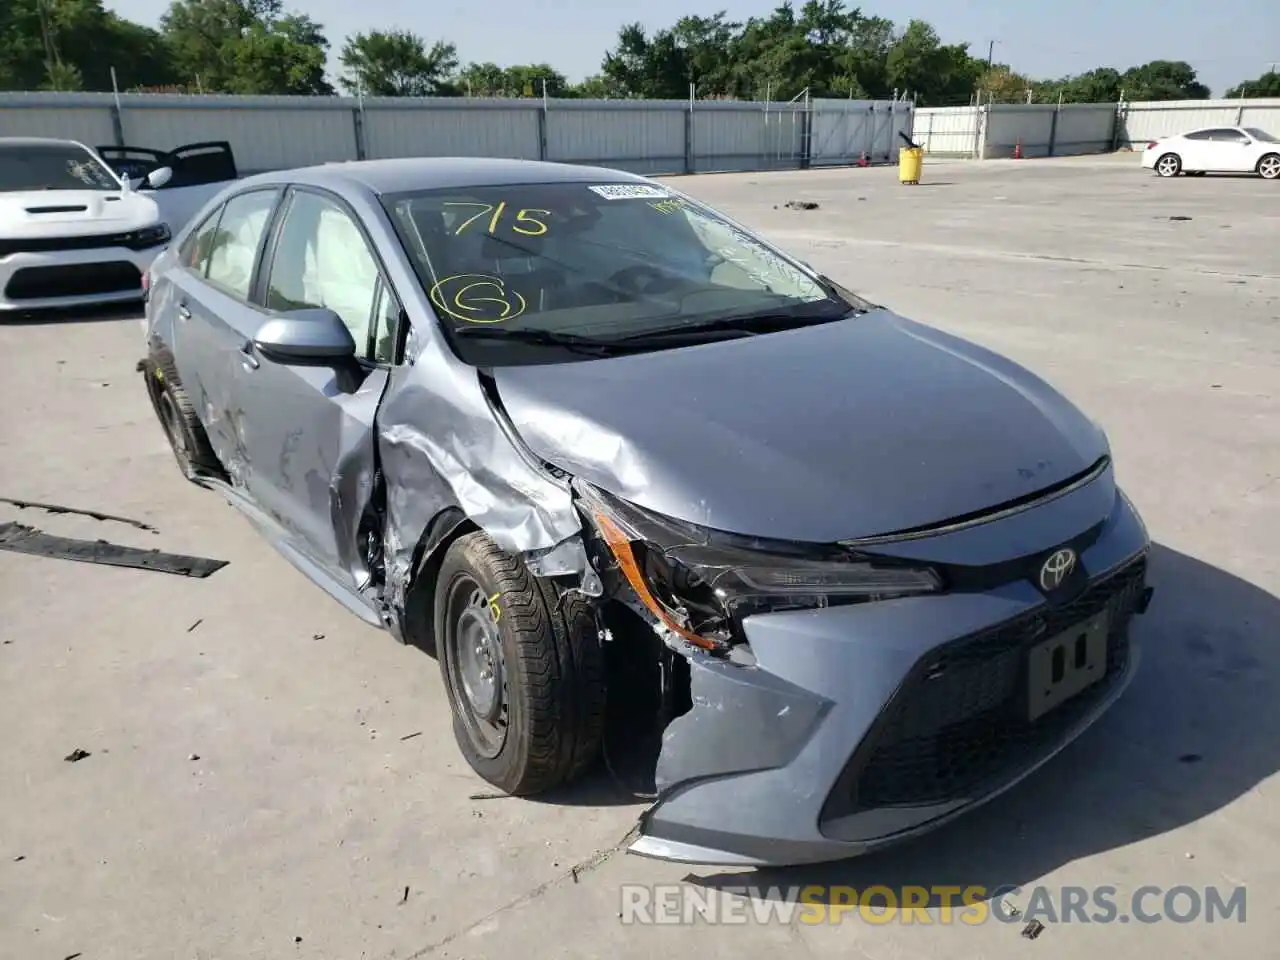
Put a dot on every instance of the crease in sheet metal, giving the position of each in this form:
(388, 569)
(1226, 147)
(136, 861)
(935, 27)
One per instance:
(440, 447)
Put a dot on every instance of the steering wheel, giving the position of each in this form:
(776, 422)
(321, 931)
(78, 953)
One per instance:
(643, 279)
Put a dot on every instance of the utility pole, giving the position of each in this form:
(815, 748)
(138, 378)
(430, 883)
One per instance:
(991, 51)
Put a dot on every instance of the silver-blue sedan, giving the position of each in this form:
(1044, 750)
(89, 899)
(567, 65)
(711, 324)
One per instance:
(634, 474)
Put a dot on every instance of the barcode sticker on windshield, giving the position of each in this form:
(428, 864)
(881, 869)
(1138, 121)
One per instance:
(630, 191)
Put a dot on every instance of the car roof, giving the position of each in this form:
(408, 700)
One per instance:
(430, 173)
(39, 142)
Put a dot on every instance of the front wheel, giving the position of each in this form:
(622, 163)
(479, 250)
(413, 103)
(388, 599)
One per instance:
(182, 428)
(1169, 165)
(1269, 167)
(522, 667)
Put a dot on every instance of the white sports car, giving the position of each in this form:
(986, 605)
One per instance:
(1215, 150)
(75, 232)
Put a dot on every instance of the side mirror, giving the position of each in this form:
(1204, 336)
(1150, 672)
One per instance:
(158, 178)
(315, 335)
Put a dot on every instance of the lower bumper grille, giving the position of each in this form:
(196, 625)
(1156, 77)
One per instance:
(960, 722)
(73, 280)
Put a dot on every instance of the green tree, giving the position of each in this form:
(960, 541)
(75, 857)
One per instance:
(595, 87)
(1267, 85)
(644, 66)
(482, 80)
(1095, 86)
(287, 57)
(937, 73)
(397, 63)
(73, 44)
(245, 46)
(526, 80)
(1001, 84)
(1163, 80)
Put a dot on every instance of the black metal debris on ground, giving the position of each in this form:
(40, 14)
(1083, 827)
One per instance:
(800, 205)
(76, 755)
(57, 508)
(1033, 929)
(19, 538)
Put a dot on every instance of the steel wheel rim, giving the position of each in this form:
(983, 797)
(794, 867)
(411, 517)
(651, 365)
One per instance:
(1270, 167)
(477, 667)
(1167, 166)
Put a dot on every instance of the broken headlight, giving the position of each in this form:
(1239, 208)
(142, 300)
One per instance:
(700, 582)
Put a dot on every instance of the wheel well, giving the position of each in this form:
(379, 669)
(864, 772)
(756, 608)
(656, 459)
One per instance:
(420, 593)
(1273, 153)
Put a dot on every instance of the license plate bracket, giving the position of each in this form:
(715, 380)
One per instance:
(1066, 664)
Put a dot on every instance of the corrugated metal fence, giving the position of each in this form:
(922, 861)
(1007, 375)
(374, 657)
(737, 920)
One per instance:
(1045, 130)
(643, 136)
(1140, 122)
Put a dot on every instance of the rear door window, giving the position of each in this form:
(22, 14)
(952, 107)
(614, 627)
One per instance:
(195, 250)
(236, 243)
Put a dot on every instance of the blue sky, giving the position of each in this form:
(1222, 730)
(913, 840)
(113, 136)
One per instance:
(1226, 41)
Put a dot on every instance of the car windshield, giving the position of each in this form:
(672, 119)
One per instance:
(600, 261)
(1260, 135)
(52, 167)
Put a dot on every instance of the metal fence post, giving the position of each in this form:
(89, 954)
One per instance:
(117, 124)
(1053, 126)
(977, 128)
(806, 134)
(357, 126)
(689, 164)
(542, 130)
(117, 118)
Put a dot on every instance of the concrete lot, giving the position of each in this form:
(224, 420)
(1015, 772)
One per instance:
(250, 793)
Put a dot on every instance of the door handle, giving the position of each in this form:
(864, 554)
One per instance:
(183, 312)
(247, 358)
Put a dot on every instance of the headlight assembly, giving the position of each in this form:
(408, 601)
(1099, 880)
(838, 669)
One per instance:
(698, 582)
(147, 237)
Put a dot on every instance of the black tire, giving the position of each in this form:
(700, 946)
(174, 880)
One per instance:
(182, 428)
(1269, 166)
(1168, 165)
(545, 664)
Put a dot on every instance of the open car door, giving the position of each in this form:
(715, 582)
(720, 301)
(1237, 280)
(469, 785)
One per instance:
(133, 163)
(193, 164)
(199, 171)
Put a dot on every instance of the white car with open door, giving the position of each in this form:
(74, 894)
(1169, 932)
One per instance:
(1215, 150)
(199, 170)
(75, 232)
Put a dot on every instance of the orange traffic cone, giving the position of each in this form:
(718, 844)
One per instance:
(1017, 150)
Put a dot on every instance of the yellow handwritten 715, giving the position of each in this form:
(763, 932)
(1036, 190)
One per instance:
(525, 221)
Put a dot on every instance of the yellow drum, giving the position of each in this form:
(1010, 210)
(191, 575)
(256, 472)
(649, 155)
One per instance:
(910, 161)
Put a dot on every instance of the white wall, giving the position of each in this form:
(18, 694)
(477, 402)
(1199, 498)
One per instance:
(648, 137)
(948, 131)
(1144, 121)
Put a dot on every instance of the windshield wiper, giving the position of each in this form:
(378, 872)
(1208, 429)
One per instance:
(597, 346)
(745, 324)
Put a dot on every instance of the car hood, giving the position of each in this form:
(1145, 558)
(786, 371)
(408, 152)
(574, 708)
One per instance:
(72, 213)
(867, 426)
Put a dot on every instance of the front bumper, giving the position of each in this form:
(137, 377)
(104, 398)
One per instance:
(861, 726)
(73, 278)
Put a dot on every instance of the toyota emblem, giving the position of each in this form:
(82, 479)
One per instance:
(1057, 569)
